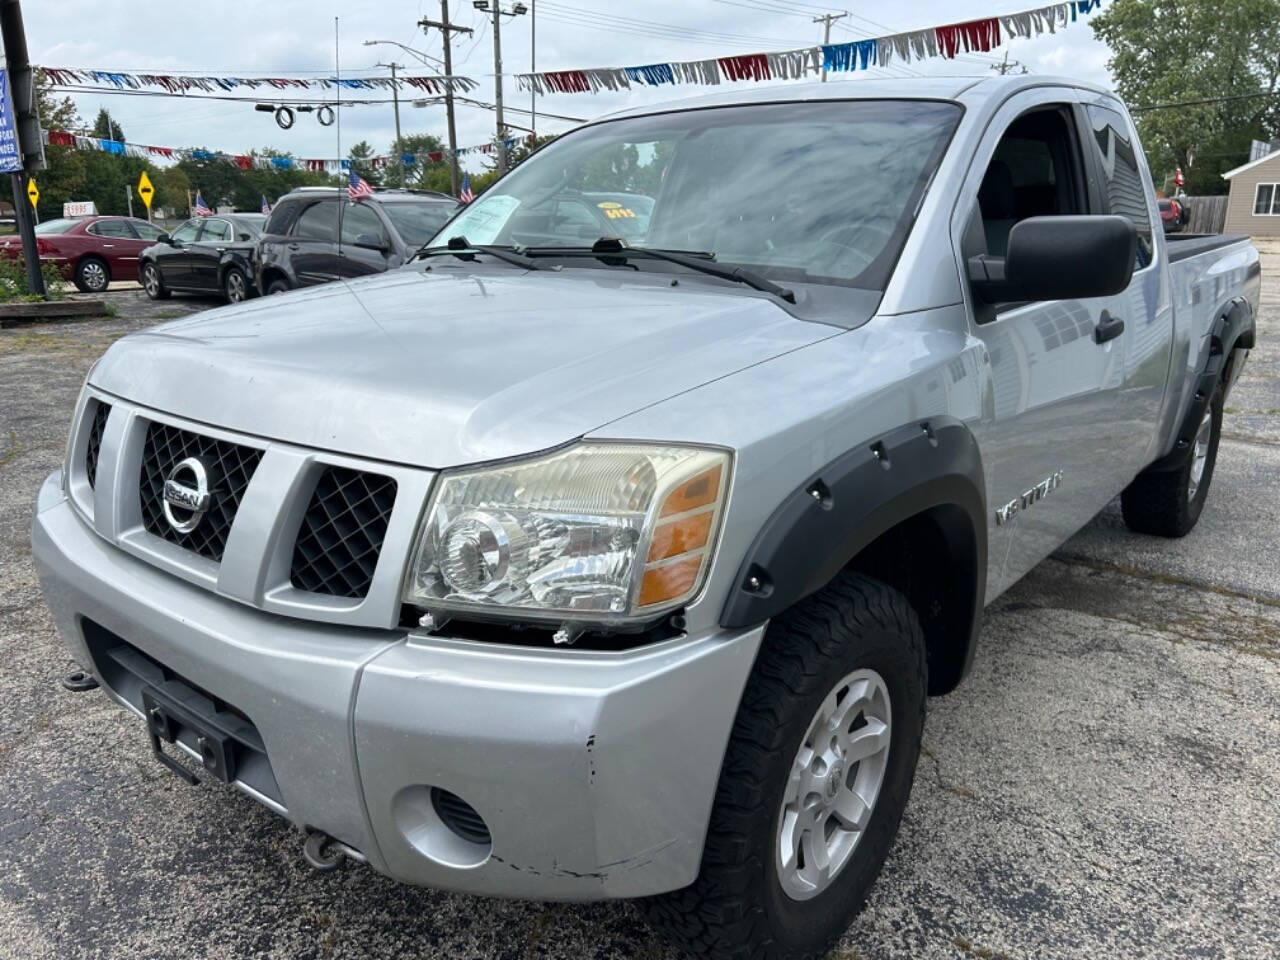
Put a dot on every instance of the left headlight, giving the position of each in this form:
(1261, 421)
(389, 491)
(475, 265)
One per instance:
(598, 533)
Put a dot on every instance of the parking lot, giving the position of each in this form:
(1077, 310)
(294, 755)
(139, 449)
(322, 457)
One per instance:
(1106, 784)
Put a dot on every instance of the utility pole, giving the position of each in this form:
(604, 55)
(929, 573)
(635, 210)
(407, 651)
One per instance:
(827, 19)
(533, 68)
(395, 101)
(446, 29)
(495, 7)
(1009, 66)
(128, 195)
(30, 143)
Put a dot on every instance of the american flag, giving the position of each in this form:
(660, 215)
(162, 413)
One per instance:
(201, 209)
(266, 207)
(466, 196)
(358, 188)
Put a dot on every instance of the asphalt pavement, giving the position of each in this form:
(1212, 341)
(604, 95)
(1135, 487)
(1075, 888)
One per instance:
(1104, 785)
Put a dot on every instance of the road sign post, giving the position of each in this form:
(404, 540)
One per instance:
(146, 192)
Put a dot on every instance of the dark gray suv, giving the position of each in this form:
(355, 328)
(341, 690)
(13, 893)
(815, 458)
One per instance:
(315, 234)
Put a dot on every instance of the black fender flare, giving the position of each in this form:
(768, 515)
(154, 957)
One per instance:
(1233, 329)
(859, 496)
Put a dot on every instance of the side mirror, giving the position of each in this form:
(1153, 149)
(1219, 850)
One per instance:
(371, 241)
(244, 237)
(165, 238)
(1059, 258)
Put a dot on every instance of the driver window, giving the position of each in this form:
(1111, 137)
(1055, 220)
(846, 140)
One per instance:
(1035, 173)
(187, 232)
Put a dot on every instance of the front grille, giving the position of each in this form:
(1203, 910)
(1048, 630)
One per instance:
(230, 467)
(460, 817)
(341, 535)
(94, 445)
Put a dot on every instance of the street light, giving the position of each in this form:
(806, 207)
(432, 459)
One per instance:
(515, 10)
(423, 57)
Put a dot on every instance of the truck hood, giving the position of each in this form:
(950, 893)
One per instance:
(452, 365)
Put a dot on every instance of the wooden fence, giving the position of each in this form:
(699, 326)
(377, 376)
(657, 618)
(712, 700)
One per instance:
(1208, 215)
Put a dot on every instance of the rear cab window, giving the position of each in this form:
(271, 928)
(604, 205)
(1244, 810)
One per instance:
(1124, 185)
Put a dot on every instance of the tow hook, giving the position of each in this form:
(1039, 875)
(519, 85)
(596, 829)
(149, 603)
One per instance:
(324, 853)
(78, 681)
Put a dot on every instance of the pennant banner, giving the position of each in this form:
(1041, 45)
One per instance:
(61, 138)
(945, 41)
(172, 83)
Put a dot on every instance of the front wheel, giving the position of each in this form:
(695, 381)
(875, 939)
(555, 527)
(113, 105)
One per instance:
(235, 286)
(152, 283)
(278, 285)
(816, 776)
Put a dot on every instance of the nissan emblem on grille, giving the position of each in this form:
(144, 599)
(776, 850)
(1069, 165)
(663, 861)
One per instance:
(191, 500)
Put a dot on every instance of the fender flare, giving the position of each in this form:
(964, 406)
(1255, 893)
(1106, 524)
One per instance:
(1233, 329)
(848, 504)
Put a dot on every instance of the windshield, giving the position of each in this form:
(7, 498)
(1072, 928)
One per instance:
(820, 192)
(416, 221)
(61, 225)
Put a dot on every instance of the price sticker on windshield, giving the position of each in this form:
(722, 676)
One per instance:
(616, 211)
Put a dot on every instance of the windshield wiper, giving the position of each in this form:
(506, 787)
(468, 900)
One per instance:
(463, 250)
(616, 249)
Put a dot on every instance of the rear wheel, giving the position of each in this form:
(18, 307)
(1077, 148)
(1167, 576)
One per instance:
(278, 285)
(152, 283)
(815, 779)
(235, 286)
(92, 275)
(1169, 503)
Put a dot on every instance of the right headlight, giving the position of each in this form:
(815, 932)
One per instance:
(597, 533)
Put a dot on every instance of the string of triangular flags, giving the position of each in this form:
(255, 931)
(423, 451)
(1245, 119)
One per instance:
(245, 161)
(173, 83)
(946, 41)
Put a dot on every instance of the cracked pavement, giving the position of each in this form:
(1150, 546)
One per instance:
(1104, 785)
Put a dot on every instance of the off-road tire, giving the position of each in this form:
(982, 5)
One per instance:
(1157, 503)
(737, 907)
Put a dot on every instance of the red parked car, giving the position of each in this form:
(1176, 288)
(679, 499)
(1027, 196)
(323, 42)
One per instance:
(92, 251)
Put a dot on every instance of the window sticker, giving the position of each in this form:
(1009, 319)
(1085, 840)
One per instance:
(483, 221)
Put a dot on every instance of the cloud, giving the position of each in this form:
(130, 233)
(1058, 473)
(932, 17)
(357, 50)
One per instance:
(292, 36)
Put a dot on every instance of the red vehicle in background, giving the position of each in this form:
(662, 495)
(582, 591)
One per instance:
(90, 251)
(1174, 214)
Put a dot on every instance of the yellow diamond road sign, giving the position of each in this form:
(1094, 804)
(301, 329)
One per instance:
(33, 192)
(145, 190)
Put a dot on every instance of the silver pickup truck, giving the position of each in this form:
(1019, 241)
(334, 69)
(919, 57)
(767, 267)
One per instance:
(612, 547)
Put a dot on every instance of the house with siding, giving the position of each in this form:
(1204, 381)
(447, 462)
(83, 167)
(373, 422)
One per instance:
(1253, 205)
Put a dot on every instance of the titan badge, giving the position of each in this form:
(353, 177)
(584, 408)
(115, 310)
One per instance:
(1035, 494)
(193, 499)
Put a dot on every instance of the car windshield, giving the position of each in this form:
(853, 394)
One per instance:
(416, 220)
(821, 192)
(61, 225)
(249, 223)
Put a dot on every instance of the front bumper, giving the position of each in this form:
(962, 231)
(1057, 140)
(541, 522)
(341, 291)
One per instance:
(594, 772)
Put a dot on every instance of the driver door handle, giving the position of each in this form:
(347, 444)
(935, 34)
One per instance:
(1108, 328)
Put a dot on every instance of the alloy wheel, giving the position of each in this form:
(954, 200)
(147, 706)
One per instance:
(1200, 454)
(833, 784)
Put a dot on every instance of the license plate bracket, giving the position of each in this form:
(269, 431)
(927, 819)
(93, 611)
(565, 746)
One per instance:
(167, 719)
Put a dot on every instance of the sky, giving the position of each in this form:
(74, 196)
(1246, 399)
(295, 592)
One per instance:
(296, 37)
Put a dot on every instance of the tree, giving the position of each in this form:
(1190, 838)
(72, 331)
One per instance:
(106, 128)
(1175, 51)
(361, 157)
(424, 174)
